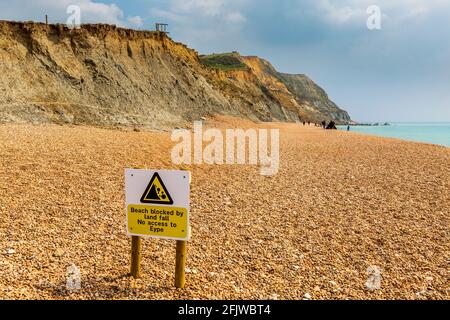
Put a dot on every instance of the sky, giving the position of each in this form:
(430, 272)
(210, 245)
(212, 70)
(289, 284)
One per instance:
(399, 72)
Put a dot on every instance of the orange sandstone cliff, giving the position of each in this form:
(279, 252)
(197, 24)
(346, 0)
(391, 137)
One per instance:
(107, 76)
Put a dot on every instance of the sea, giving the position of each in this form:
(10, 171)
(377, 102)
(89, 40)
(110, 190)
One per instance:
(435, 133)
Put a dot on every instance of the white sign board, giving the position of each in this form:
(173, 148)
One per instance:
(157, 203)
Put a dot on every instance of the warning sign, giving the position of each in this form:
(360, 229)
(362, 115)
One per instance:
(157, 203)
(156, 192)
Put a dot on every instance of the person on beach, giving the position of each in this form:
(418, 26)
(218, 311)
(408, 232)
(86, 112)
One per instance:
(324, 124)
(348, 127)
(331, 126)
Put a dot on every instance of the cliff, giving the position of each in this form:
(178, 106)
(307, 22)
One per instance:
(296, 93)
(107, 76)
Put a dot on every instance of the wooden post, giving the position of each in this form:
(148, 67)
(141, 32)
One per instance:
(180, 264)
(46, 19)
(135, 256)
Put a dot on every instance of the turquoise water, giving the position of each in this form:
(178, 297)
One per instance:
(436, 133)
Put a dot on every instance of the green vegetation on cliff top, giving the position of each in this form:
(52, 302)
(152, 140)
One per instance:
(223, 61)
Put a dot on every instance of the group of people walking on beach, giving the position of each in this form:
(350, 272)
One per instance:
(328, 126)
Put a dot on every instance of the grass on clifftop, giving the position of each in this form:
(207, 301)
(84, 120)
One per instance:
(223, 61)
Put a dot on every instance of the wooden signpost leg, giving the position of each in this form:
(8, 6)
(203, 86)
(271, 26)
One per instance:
(180, 264)
(135, 256)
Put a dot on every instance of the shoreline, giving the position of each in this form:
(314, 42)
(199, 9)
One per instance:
(413, 140)
(220, 121)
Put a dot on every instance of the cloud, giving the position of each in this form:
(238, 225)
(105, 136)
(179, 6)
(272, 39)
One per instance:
(204, 24)
(56, 9)
(235, 17)
(348, 12)
(334, 13)
(168, 15)
(204, 7)
(200, 12)
(135, 21)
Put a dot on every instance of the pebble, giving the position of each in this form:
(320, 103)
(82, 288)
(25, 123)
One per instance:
(68, 203)
(59, 253)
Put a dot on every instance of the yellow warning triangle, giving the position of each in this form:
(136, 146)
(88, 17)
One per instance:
(156, 192)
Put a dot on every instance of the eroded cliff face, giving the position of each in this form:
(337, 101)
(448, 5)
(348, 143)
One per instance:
(101, 75)
(313, 98)
(107, 76)
(296, 92)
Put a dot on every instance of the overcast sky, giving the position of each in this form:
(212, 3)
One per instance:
(398, 73)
